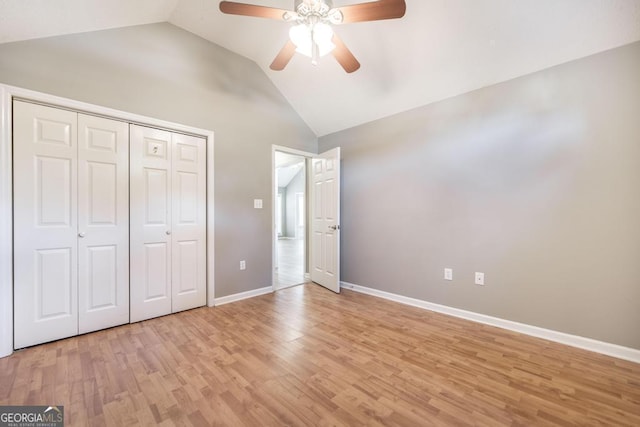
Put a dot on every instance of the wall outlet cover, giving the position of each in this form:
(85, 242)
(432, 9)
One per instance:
(257, 203)
(480, 279)
(243, 265)
(448, 274)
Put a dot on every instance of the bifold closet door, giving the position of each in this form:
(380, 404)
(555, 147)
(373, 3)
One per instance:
(168, 228)
(45, 156)
(103, 223)
(71, 216)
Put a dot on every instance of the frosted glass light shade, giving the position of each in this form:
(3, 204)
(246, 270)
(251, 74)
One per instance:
(301, 36)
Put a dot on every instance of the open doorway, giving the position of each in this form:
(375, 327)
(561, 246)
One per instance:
(290, 217)
(306, 218)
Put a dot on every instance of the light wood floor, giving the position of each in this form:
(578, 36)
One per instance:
(290, 263)
(306, 356)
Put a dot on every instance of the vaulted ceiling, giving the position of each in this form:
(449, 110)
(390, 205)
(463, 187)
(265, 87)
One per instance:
(441, 48)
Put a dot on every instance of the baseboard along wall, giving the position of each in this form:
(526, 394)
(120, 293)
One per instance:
(596, 346)
(601, 347)
(243, 295)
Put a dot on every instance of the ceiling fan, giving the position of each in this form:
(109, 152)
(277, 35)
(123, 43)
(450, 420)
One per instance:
(311, 33)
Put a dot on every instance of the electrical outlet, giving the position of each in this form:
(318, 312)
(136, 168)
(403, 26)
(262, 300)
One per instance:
(243, 265)
(479, 278)
(448, 274)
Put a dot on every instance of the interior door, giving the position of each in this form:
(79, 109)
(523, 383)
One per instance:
(150, 222)
(325, 215)
(103, 223)
(188, 238)
(45, 158)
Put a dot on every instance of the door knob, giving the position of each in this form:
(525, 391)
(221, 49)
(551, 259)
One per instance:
(80, 235)
(334, 227)
(168, 232)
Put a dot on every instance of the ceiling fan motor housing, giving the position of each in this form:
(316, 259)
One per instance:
(313, 3)
(312, 11)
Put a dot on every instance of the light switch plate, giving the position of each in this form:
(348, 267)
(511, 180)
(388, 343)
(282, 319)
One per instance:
(480, 279)
(257, 203)
(243, 265)
(448, 274)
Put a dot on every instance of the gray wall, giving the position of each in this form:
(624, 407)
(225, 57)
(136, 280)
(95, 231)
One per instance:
(534, 182)
(164, 72)
(296, 185)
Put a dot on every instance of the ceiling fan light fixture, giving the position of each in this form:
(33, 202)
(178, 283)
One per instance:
(311, 33)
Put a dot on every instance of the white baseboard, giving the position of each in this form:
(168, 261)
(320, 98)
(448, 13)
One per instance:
(243, 295)
(608, 349)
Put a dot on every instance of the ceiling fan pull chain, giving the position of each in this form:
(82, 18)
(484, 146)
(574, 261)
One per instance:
(315, 50)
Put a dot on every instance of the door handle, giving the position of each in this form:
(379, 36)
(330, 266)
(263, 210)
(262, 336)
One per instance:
(334, 227)
(168, 232)
(81, 235)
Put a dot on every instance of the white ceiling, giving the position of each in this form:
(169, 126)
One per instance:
(441, 48)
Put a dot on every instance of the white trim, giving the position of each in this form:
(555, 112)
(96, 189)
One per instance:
(6, 227)
(243, 295)
(211, 276)
(293, 151)
(7, 93)
(608, 349)
(274, 237)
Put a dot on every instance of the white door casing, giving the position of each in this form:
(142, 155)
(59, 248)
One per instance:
(103, 223)
(188, 230)
(45, 158)
(150, 222)
(325, 217)
(300, 215)
(168, 222)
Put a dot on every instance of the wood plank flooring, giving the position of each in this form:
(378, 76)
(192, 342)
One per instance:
(306, 356)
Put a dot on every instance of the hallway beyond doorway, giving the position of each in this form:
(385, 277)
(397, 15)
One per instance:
(290, 263)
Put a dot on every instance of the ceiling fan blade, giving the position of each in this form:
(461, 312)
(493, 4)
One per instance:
(283, 57)
(344, 56)
(373, 11)
(234, 8)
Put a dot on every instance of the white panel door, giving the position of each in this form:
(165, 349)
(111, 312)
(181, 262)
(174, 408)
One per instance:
(45, 224)
(325, 214)
(150, 222)
(103, 223)
(188, 235)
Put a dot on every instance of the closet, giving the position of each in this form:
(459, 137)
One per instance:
(71, 223)
(168, 222)
(109, 222)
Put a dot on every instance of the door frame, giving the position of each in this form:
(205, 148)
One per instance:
(307, 155)
(7, 94)
(305, 214)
